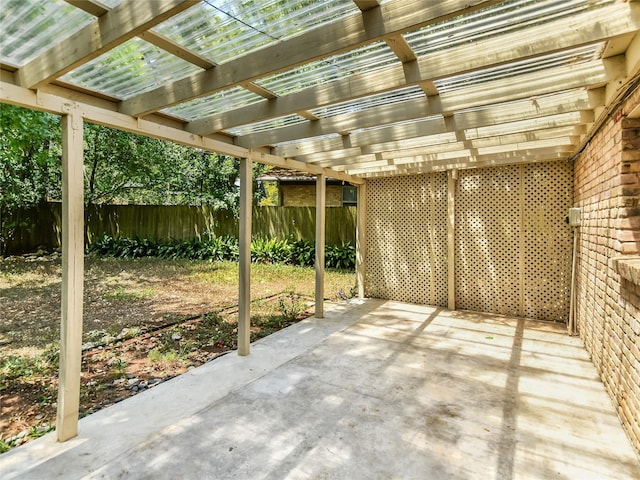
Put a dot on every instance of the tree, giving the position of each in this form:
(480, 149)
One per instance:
(30, 165)
(119, 167)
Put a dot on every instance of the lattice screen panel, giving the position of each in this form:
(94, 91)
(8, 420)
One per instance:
(487, 240)
(548, 195)
(407, 239)
(513, 247)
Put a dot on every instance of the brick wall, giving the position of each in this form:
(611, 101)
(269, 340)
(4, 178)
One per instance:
(607, 188)
(305, 195)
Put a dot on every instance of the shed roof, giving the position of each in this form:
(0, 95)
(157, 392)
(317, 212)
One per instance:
(348, 88)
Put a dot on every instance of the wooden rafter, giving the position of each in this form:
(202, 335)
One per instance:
(508, 158)
(514, 88)
(393, 137)
(16, 95)
(391, 18)
(111, 29)
(615, 20)
(340, 158)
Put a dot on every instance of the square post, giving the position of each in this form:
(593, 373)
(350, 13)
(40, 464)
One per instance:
(452, 176)
(361, 238)
(244, 293)
(72, 277)
(321, 188)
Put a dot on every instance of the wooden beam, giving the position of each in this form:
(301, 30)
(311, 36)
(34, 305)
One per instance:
(361, 240)
(176, 49)
(530, 134)
(508, 158)
(547, 117)
(15, 95)
(552, 111)
(452, 176)
(113, 28)
(365, 5)
(321, 195)
(555, 36)
(244, 293)
(504, 90)
(401, 48)
(68, 407)
(391, 18)
(258, 90)
(90, 6)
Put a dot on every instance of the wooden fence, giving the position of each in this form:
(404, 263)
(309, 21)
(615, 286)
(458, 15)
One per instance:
(40, 227)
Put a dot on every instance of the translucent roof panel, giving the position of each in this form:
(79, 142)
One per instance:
(386, 98)
(284, 121)
(498, 19)
(111, 3)
(221, 30)
(397, 124)
(364, 59)
(301, 142)
(217, 103)
(129, 69)
(30, 28)
(549, 121)
(538, 64)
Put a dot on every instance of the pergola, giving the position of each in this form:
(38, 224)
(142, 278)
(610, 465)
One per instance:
(348, 89)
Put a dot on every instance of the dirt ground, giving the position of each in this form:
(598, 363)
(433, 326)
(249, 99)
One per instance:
(145, 321)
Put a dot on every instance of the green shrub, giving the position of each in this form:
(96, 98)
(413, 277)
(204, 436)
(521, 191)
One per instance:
(303, 253)
(340, 256)
(270, 250)
(225, 248)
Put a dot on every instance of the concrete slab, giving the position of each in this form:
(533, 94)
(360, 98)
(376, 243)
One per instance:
(377, 389)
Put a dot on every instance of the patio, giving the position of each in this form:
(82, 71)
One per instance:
(376, 389)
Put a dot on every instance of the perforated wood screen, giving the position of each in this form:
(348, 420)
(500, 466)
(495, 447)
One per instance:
(512, 245)
(407, 239)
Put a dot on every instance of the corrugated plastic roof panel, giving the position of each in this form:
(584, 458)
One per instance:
(30, 28)
(284, 121)
(221, 30)
(531, 65)
(364, 59)
(359, 104)
(498, 19)
(217, 103)
(129, 69)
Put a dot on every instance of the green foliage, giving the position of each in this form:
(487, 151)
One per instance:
(120, 167)
(341, 256)
(270, 250)
(222, 333)
(290, 307)
(28, 367)
(30, 166)
(303, 253)
(295, 252)
(271, 194)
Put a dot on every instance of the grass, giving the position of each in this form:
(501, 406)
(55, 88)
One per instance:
(287, 277)
(124, 294)
(27, 368)
(129, 307)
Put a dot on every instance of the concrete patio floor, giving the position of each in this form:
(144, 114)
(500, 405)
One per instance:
(376, 390)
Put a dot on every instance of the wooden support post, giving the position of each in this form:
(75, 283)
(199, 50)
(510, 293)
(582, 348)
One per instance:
(361, 238)
(321, 190)
(244, 294)
(72, 277)
(452, 176)
(521, 243)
